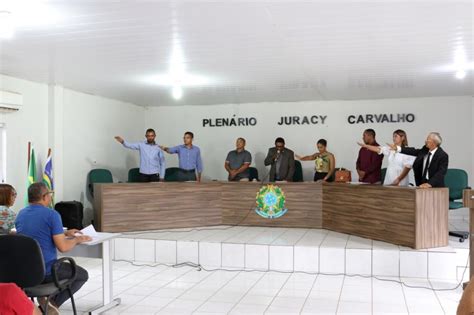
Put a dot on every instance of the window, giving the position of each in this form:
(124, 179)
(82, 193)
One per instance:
(3, 153)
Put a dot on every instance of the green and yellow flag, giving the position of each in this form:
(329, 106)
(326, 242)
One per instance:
(31, 173)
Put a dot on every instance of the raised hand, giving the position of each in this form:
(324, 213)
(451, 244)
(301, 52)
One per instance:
(119, 139)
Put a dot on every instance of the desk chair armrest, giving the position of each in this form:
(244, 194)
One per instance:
(54, 270)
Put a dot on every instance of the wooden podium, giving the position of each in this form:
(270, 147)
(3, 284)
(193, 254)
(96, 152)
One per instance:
(412, 217)
(468, 200)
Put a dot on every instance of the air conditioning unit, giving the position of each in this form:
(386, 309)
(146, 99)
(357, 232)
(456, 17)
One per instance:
(10, 101)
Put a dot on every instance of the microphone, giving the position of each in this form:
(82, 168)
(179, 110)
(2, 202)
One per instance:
(277, 156)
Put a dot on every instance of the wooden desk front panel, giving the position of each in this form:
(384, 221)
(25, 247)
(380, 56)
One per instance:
(303, 201)
(432, 217)
(410, 217)
(372, 211)
(152, 206)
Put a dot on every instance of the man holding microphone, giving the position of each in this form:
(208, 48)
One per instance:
(282, 161)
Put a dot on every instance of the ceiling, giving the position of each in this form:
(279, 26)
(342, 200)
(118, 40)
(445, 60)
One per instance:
(249, 51)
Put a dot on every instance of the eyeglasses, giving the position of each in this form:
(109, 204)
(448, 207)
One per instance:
(49, 192)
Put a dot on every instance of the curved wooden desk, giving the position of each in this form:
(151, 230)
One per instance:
(412, 217)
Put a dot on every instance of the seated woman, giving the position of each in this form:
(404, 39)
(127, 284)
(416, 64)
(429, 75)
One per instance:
(399, 164)
(325, 163)
(7, 215)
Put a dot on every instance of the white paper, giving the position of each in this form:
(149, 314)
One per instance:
(88, 230)
(97, 237)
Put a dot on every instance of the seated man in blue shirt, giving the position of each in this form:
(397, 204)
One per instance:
(45, 226)
(189, 157)
(152, 158)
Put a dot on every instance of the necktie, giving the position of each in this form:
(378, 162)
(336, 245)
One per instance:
(425, 170)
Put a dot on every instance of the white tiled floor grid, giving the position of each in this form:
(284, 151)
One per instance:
(165, 290)
(286, 249)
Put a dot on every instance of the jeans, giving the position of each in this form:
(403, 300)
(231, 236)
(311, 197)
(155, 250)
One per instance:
(64, 272)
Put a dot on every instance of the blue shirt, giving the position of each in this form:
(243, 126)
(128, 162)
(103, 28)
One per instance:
(41, 224)
(152, 158)
(189, 158)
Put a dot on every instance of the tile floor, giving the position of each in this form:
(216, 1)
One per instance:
(166, 290)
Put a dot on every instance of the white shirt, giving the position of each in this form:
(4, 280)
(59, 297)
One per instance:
(396, 163)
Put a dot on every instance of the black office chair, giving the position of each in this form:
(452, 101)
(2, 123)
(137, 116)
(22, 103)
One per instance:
(456, 180)
(253, 174)
(172, 174)
(298, 175)
(21, 262)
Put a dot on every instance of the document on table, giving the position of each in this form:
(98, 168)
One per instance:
(97, 237)
(89, 230)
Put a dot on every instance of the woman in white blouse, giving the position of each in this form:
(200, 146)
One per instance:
(399, 165)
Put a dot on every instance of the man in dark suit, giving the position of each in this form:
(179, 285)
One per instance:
(282, 161)
(431, 162)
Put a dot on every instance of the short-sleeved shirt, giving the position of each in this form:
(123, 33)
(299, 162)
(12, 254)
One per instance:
(14, 301)
(41, 224)
(237, 159)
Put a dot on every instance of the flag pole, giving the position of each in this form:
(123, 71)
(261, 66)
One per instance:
(29, 156)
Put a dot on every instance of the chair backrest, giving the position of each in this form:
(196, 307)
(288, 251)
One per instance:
(134, 175)
(253, 174)
(21, 261)
(98, 175)
(456, 180)
(172, 174)
(298, 175)
(383, 171)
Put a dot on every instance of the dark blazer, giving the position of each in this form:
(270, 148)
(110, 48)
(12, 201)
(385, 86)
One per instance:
(287, 165)
(436, 170)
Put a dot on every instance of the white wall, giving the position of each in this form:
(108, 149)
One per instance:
(451, 116)
(80, 130)
(90, 124)
(28, 124)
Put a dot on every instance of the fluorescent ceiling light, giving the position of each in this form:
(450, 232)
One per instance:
(177, 92)
(460, 66)
(177, 77)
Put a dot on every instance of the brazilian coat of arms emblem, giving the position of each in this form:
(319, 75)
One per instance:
(270, 202)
